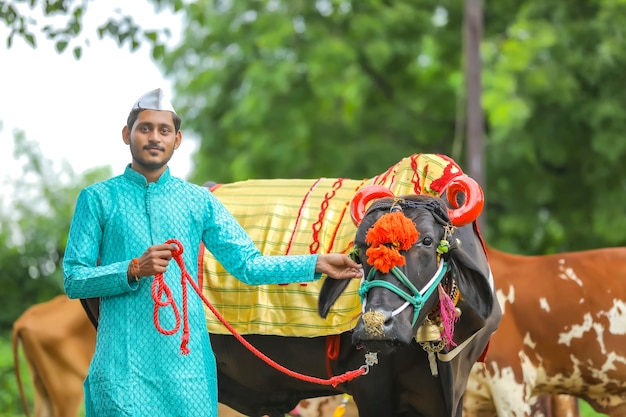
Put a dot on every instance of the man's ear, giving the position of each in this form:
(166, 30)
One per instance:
(179, 139)
(126, 135)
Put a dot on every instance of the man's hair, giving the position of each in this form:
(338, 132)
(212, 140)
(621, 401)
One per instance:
(134, 114)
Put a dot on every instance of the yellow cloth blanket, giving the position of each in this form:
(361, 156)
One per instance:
(303, 216)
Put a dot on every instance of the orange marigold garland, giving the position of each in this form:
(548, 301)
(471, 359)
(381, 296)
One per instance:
(390, 234)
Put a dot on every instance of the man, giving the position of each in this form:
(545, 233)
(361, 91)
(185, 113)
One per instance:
(116, 247)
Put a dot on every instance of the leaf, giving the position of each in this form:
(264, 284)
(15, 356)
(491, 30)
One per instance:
(77, 52)
(30, 39)
(60, 46)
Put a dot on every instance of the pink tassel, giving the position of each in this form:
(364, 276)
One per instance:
(448, 317)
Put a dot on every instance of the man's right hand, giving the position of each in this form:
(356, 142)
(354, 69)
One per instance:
(155, 259)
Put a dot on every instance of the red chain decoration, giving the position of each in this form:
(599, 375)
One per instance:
(299, 217)
(415, 179)
(159, 287)
(317, 226)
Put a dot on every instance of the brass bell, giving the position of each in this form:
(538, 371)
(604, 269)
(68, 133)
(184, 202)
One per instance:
(428, 332)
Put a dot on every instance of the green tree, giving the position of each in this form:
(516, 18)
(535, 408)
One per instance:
(553, 96)
(61, 21)
(33, 229)
(338, 88)
(327, 88)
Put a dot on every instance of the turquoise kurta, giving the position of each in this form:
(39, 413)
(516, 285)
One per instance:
(137, 371)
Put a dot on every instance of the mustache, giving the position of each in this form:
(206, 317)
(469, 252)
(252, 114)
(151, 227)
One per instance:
(157, 147)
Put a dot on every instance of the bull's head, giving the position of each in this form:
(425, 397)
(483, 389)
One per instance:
(416, 250)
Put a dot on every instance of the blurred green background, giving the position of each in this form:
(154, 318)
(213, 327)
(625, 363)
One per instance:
(332, 88)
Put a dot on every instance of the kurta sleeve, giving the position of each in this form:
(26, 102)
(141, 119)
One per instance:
(228, 241)
(83, 277)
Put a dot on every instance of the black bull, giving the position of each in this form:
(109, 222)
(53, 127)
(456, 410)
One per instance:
(402, 382)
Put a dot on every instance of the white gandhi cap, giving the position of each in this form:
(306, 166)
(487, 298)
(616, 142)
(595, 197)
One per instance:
(154, 100)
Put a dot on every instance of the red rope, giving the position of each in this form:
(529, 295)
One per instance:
(159, 287)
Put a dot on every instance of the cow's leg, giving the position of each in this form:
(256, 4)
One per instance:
(510, 397)
(564, 406)
(478, 400)
(543, 406)
(30, 347)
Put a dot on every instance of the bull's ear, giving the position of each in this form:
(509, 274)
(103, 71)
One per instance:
(474, 285)
(331, 290)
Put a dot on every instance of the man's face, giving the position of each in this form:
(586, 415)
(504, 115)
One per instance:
(152, 140)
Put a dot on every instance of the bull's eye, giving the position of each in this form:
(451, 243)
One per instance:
(427, 241)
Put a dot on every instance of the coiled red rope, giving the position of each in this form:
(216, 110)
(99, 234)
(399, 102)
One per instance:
(159, 287)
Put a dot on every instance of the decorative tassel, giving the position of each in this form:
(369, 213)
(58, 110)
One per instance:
(449, 316)
(183, 346)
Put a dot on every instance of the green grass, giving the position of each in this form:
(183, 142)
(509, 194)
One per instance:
(587, 411)
(10, 405)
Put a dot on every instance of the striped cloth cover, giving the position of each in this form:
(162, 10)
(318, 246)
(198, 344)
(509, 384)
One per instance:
(303, 216)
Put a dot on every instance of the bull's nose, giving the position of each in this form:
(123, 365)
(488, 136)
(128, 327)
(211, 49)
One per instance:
(381, 325)
(374, 323)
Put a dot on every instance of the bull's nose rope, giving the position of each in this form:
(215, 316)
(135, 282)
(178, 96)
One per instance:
(159, 287)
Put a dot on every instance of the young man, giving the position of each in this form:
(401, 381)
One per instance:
(116, 247)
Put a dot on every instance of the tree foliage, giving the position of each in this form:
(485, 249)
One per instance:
(61, 21)
(302, 89)
(344, 88)
(33, 229)
(556, 177)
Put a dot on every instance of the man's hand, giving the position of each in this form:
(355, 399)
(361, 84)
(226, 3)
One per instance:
(338, 266)
(155, 260)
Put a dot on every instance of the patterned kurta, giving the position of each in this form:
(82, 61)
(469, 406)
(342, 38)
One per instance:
(137, 371)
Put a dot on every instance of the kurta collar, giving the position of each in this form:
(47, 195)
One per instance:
(134, 176)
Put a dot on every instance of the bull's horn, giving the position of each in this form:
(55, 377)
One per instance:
(364, 196)
(474, 200)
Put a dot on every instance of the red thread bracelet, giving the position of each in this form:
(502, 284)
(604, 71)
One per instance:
(134, 266)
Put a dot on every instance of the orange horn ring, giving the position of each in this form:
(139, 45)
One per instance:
(363, 197)
(474, 200)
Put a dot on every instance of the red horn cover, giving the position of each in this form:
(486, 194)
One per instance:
(363, 197)
(474, 200)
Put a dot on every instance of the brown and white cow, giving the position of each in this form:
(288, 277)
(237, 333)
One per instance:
(563, 331)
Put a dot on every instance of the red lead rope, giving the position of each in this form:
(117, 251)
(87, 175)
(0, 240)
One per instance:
(159, 287)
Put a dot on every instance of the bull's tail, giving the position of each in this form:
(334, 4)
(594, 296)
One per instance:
(15, 339)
